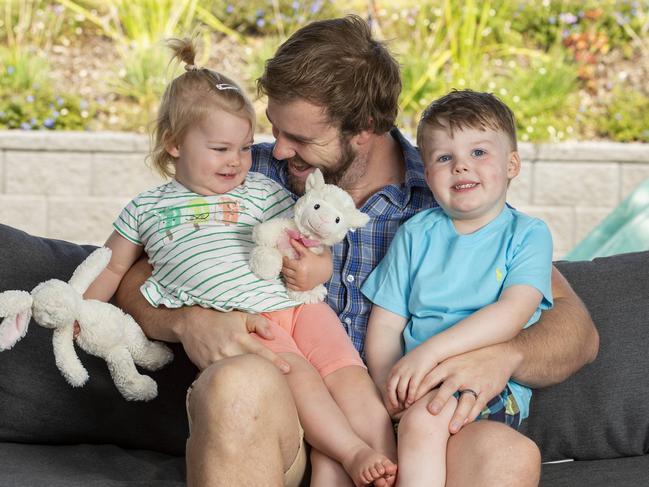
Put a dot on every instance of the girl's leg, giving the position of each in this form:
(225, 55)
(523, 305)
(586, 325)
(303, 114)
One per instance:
(326, 471)
(326, 428)
(360, 401)
(423, 438)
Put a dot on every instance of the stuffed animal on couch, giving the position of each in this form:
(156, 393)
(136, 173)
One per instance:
(322, 217)
(105, 331)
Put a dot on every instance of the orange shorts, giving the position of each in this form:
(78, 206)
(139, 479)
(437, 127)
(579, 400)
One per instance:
(314, 332)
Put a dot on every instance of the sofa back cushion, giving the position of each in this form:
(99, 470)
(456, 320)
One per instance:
(37, 405)
(602, 411)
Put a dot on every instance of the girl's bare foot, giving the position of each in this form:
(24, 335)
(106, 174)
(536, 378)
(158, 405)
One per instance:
(366, 466)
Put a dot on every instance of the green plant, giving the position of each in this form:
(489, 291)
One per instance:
(138, 28)
(626, 118)
(272, 17)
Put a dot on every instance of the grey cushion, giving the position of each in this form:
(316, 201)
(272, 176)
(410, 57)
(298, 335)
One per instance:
(620, 472)
(602, 411)
(38, 406)
(87, 465)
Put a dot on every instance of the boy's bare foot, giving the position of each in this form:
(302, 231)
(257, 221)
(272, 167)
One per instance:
(366, 466)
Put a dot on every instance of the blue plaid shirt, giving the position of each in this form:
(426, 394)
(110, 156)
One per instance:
(356, 256)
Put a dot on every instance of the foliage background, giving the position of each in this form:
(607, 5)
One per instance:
(569, 69)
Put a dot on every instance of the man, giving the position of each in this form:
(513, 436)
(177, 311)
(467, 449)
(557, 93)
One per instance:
(332, 101)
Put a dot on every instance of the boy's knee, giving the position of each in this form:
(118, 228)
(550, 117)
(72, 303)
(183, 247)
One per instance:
(418, 420)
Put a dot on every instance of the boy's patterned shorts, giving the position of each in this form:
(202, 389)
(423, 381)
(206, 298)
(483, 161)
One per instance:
(504, 409)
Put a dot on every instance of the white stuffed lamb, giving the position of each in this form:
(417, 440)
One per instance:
(323, 216)
(105, 331)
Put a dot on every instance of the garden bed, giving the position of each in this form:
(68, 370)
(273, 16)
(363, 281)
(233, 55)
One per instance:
(569, 69)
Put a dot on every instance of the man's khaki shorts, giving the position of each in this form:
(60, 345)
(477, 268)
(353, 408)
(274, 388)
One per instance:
(294, 475)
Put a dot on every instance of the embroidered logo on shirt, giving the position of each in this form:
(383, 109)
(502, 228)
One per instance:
(499, 274)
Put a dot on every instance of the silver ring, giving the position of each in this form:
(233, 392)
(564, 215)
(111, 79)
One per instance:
(469, 391)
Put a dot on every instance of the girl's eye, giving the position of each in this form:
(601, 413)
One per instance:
(219, 149)
(478, 153)
(247, 148)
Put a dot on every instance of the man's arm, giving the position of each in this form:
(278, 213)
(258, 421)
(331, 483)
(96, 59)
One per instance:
(566, 340)
(207, 335)
(560, 343)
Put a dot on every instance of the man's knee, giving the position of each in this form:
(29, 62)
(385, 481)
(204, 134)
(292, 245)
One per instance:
(235, 392)
(497, 454)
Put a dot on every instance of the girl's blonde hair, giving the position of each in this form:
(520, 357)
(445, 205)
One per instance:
(188, 99)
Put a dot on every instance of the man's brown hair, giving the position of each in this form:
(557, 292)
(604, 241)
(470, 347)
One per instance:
(467, 109)
(336, 64)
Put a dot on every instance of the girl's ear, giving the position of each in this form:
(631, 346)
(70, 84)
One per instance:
(171, 146)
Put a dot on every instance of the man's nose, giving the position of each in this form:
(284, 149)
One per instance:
(283, 148)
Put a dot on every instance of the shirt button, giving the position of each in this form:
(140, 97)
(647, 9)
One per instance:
(350, 278)
(348, 321)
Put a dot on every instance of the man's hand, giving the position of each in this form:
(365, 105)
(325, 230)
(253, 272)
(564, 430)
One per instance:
(484, 371)
(404, 384)
(208, 336)
(308, 270)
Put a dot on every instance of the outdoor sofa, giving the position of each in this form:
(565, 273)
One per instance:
(57, 436)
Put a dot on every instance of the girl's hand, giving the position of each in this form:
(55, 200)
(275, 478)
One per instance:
(403, 384)
(308, 270)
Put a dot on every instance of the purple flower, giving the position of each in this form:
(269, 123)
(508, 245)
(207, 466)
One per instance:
(260, 22)
(59, 101)
(55, 114)
(229, 9)
(83, 104)
(49, 123)
(25, 126)
(33, 121)
(552, 19)
(568, 18)
(259, 13)
(29, 98)
(315, 7)
(11, 70)
(295, 5)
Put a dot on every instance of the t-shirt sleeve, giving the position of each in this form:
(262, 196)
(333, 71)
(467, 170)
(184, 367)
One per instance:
(279, 202)
(127, 224)
(388, 285)
(531, 264)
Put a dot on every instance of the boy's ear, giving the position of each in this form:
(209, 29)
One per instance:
(514, 165)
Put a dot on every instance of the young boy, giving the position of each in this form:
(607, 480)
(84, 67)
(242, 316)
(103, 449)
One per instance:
(468, 274)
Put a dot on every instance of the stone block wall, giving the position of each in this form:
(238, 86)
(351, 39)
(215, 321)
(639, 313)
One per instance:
(71, 186)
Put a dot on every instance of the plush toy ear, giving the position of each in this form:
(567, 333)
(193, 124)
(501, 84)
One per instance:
(16, 309)
(357, 219)
(89, 269)
(315, 180)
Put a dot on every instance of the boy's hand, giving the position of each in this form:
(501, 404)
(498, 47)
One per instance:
(308, 270)
(406, 377)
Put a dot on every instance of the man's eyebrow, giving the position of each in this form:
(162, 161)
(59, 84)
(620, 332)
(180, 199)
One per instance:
(295, 137)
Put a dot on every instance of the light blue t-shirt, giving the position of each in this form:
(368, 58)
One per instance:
(435, 277)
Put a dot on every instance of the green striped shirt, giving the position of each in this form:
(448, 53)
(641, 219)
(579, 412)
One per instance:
(199, 245)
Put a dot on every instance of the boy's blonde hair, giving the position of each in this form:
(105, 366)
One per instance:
(188, 99)
(467, 109)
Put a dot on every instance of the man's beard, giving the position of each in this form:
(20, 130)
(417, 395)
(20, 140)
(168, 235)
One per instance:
(332, 175)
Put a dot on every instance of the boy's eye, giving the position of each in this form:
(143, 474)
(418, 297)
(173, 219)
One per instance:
(444, 158)
(478, 153)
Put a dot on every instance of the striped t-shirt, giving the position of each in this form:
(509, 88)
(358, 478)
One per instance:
(199, 245)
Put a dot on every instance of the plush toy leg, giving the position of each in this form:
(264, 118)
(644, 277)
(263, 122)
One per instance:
(315, 295)
(130, 383)
(147, 354)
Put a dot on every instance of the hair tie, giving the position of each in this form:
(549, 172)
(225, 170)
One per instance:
(225, 86)
(192, 67)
